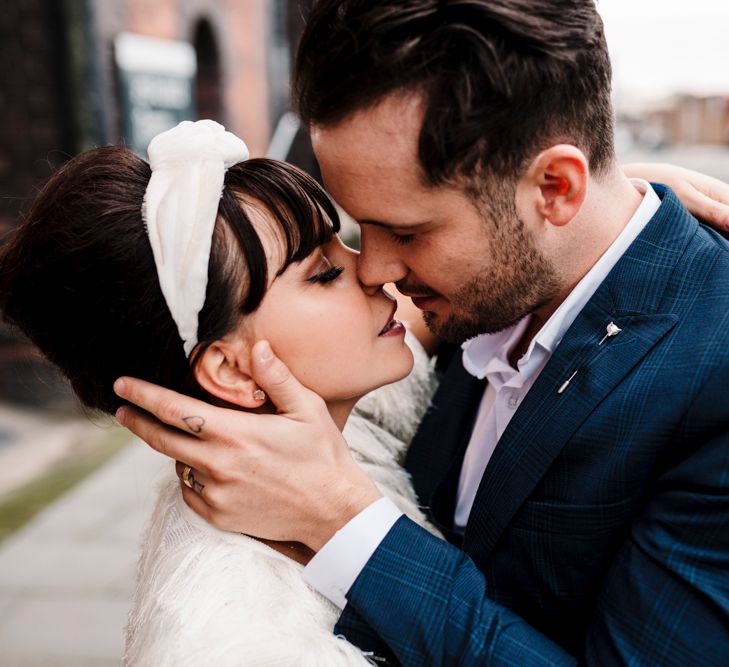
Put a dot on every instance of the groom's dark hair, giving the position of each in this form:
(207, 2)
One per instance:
(500, 79)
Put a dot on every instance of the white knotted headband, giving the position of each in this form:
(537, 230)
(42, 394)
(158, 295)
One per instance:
(180, 208)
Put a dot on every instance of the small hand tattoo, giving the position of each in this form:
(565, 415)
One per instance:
(195, 424)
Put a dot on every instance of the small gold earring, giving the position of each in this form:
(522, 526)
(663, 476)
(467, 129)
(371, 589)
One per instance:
(259, 395)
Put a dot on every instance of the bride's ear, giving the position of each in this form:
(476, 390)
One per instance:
(224, 372)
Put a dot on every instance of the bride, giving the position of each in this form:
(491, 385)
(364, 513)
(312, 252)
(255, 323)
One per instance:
(170, 272)
(122, 269)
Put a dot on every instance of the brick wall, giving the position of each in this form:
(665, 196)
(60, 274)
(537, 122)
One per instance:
(245, 74)
(34, 135)
(240, 29)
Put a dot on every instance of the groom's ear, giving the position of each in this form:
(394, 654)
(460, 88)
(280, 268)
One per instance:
(224, 372)
(557, 180)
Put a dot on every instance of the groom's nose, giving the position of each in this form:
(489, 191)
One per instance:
(379, 261)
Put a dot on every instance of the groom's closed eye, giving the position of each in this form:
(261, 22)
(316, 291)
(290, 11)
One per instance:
(402, 239)
(402, 234)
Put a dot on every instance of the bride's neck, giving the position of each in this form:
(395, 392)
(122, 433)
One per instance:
(339, 410)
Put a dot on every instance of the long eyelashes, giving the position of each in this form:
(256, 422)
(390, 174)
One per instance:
(403, 239)
(327, 276)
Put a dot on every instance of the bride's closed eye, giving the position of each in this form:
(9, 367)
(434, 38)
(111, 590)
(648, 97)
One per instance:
(326, 276)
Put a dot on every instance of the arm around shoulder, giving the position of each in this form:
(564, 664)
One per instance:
(706, 197)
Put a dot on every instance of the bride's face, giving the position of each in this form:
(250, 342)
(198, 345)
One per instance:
(337, 337)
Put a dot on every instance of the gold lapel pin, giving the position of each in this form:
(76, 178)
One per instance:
(612, 330)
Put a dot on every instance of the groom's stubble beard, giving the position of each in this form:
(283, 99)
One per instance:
(516, 280)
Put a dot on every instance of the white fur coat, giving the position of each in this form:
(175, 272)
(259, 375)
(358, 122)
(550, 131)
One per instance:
(209, 597)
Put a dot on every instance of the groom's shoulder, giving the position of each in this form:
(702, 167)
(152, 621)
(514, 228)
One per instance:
(705, 261)
(704, 266)
(702, 253)
(684, 269)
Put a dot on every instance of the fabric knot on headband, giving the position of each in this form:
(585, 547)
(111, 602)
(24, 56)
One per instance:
(180, 208)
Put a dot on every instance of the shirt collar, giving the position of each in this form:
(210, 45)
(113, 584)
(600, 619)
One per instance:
(482, 353)
(479, 351)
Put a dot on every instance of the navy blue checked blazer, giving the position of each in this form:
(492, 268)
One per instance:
(600, 530)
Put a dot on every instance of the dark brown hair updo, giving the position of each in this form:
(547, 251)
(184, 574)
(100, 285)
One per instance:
(78, 276)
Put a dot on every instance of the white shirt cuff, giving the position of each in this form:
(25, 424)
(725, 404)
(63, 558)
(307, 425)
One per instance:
(339, 562)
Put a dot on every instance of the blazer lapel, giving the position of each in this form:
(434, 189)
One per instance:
(445, 426)
(546, 420)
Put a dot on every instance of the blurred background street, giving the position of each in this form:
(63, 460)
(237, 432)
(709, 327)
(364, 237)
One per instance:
(74, 74)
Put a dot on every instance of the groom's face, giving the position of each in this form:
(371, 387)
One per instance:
(471, 266)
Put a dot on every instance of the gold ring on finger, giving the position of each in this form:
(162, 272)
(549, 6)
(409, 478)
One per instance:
(188, 477)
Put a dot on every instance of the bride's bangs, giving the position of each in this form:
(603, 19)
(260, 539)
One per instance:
(305, 216)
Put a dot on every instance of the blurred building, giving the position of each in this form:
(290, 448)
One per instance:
(681, 120)
(80, 73)
(699, 120)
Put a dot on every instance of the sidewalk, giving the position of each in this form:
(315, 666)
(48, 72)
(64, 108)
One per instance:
(32, 440)
(66, 578)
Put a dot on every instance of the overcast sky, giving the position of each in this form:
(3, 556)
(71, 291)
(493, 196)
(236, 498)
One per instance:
(663, 46)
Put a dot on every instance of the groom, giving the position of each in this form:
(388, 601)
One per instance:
(576, 453)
